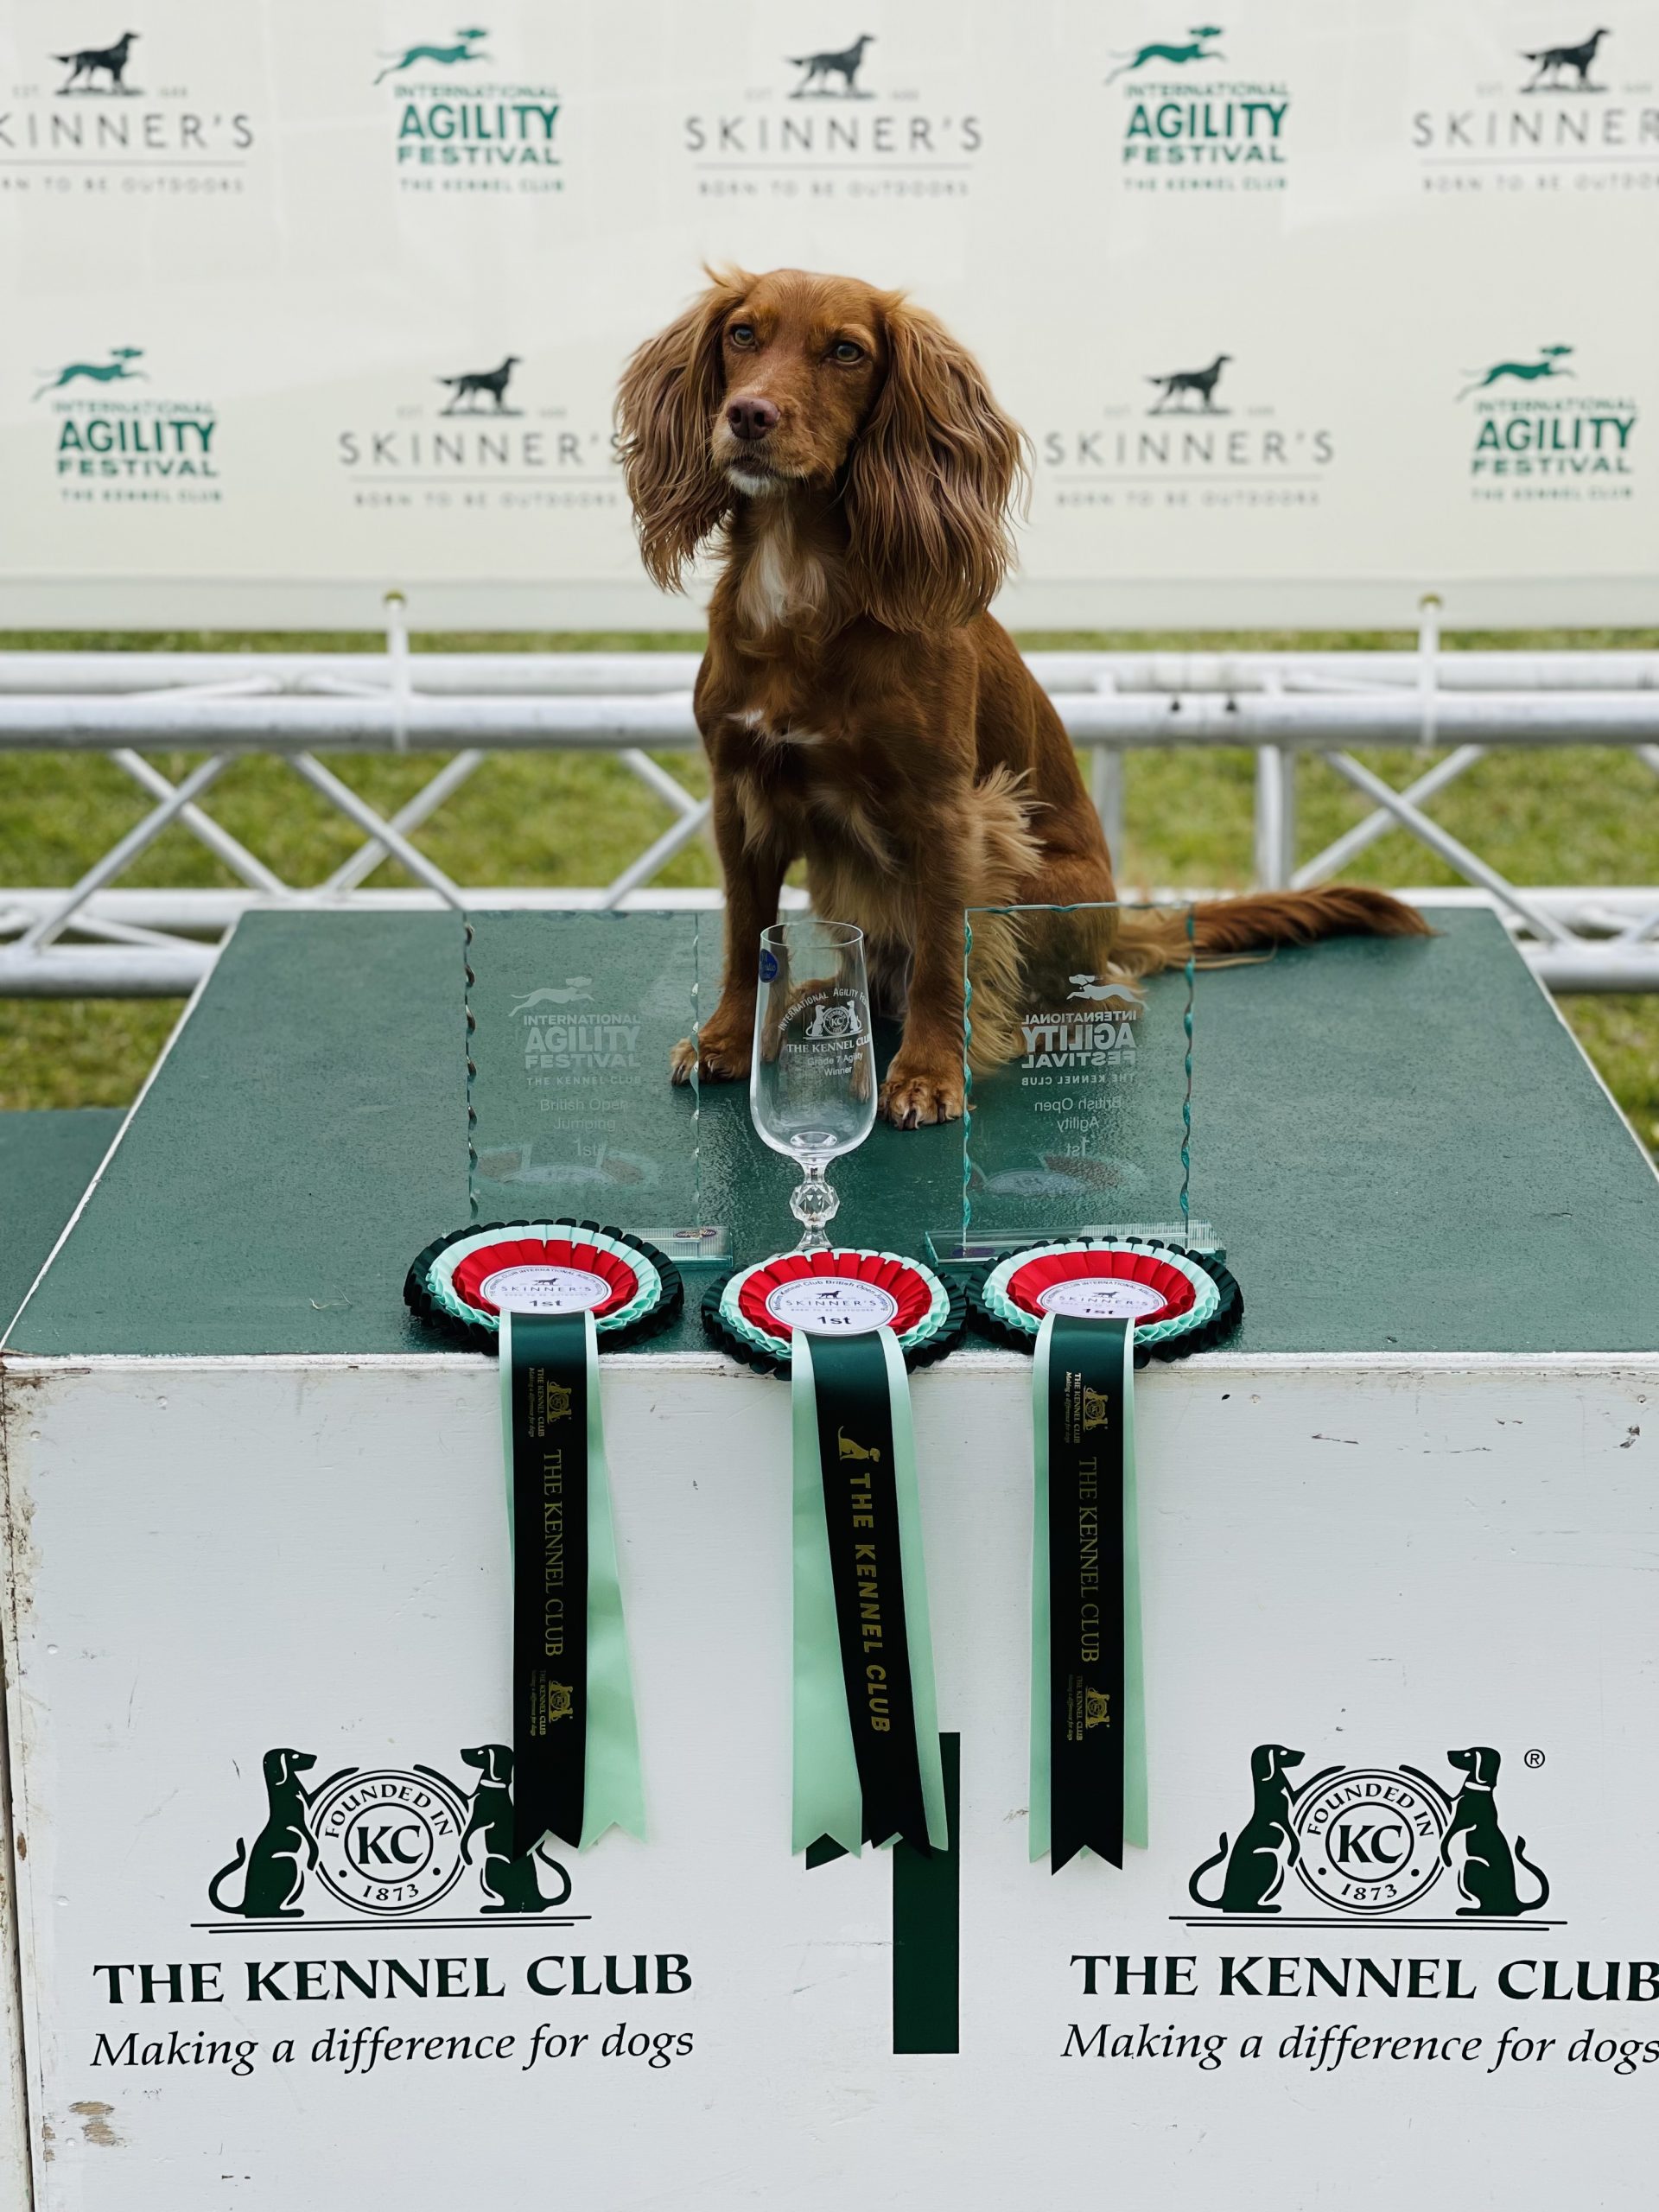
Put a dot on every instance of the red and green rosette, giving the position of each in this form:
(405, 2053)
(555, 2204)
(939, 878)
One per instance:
(1180, 1302)
(462, 1283)
(755, 1312)
(546, 1296)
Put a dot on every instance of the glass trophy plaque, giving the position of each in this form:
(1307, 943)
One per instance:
(1079, 1111)
(572, 1022)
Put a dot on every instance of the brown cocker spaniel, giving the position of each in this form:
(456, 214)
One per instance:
(860, 707)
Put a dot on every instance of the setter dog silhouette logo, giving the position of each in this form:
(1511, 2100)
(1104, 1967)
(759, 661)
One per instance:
(820, 69)
(1575, 60)
(86, 65)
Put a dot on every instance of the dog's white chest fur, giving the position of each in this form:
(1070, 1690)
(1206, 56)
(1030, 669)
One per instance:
(777, 580)
(755, 719)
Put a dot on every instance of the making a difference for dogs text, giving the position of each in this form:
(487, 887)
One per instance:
(1321, 2046)
(362, 2049)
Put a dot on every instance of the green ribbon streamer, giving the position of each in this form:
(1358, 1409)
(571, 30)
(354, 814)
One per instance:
(1134, 1716)
(828, 1797)
(612, 1781)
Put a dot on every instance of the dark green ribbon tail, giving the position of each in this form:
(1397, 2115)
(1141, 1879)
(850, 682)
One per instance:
(867, 1742)
(1088, 1744)
(576, 1741)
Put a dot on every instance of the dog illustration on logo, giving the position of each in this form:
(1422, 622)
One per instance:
(1548, 364)
(473, 382)
(1475, 1847)
(509, 1876)
(851, 1449)
(112, 60)
(1110, 993)
(820, 67)
(576, 988)
(1268, 1846)
(114, 371)
(462, 51)
(1158, 52)
(1552, 60)
(831, 1021)
(271, 1886)
(1201, 381)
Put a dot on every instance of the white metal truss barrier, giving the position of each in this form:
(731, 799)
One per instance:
(95, 938)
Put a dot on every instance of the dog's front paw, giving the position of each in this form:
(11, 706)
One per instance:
(720, 1060)
(915, 1095)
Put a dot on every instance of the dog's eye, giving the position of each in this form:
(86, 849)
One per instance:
(846, 351)
(742, 333)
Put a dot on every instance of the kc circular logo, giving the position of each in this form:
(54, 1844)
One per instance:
(389, 1841)
(1370, 1838)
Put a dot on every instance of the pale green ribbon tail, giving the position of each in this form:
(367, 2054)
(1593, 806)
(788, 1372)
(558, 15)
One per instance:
(917, 1627)
(614, 1793)
(827, 1800)
(1134, 1675)
(1134, 1699)
(828, 1797)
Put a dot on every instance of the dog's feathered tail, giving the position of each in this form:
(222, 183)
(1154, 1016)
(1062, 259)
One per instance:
(1225, 929)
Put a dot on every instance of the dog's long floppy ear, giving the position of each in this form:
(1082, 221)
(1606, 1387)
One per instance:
(665, 412)
(930, 481)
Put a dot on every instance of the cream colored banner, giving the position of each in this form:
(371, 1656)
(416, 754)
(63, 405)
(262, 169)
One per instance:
(1307, 312)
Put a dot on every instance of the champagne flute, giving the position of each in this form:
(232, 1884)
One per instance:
(812, 1078)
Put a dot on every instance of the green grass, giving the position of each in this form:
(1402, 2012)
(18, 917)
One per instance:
(1569, 817)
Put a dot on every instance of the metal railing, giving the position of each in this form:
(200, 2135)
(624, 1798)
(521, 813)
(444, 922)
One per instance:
(94, 939)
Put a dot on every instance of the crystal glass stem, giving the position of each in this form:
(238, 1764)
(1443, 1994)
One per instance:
(813, 1204)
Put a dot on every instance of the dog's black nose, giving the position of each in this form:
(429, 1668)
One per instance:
(752, 418)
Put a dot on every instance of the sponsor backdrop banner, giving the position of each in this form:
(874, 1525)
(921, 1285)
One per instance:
(1306, 311)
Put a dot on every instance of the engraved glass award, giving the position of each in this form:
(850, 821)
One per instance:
(1078, 1122)
(572, 1021)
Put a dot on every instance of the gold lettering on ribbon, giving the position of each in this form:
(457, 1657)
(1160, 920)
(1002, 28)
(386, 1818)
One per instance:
(1083, 1412)
(872, 1631)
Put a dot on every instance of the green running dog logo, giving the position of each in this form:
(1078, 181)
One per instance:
(1177, 56)
(1368, 1841)
(118, 369)
(445, 57)
(1552, 60)
(576, 988)
(1547, 365)
(387, 1842)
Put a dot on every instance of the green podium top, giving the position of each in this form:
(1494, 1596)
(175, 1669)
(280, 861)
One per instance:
(46, 1160)
(1399, 1144)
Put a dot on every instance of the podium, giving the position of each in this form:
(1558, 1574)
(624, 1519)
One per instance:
(1392, 1538)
